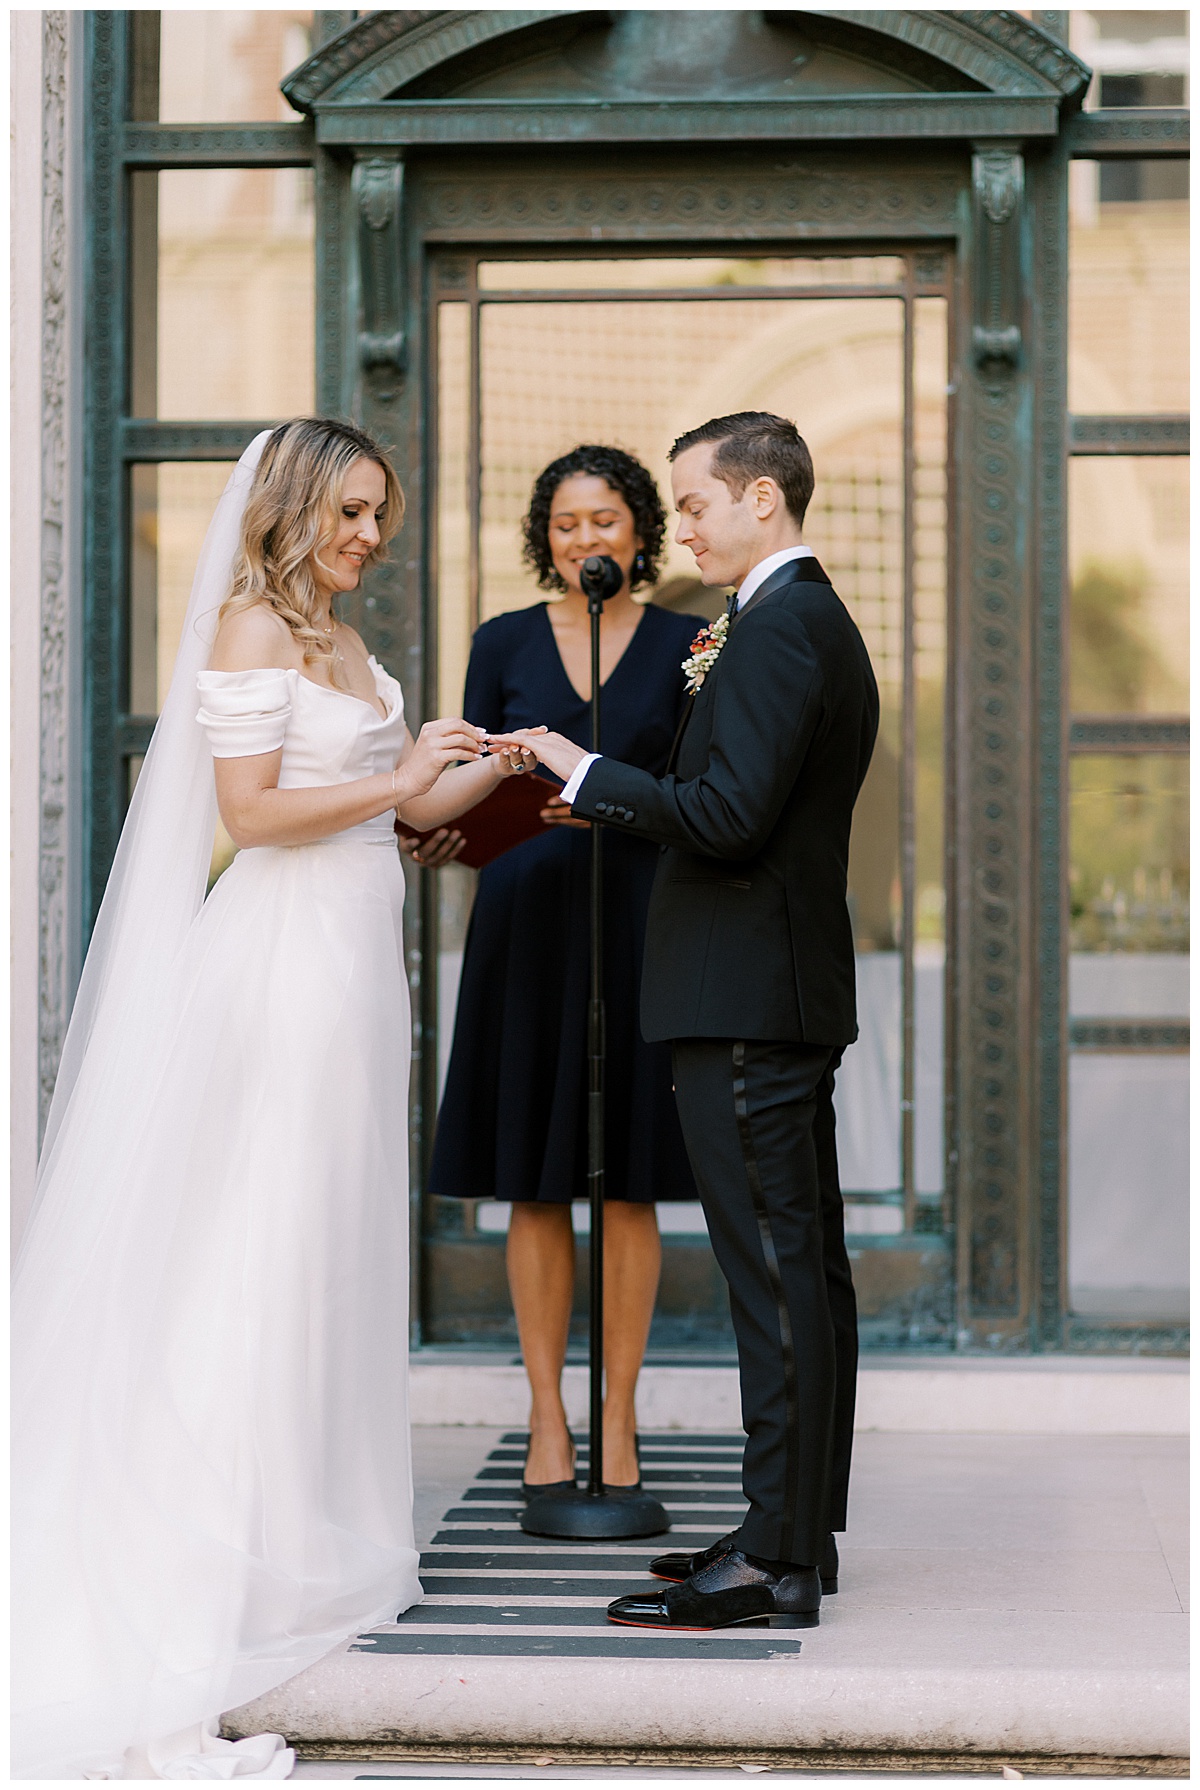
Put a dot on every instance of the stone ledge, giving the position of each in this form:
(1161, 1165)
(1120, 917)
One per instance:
(323, 1759)
(962, 1394)
(784, 1705)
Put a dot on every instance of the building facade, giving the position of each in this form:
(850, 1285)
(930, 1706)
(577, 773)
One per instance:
(953, 246)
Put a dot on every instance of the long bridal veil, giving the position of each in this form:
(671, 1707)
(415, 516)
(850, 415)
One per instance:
(158, 877)
(211, 1472)
(68, 1406)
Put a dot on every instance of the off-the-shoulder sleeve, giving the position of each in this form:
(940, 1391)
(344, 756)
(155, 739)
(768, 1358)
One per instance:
(244, 713)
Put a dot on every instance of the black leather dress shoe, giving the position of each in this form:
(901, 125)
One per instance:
(730, 1590)
(678, 1567)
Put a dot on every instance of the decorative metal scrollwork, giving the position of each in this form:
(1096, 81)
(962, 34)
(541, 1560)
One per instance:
(999, 178)
(378, 187)
(998, 182)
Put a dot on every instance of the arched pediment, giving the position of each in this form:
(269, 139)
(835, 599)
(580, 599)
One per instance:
(662, 56)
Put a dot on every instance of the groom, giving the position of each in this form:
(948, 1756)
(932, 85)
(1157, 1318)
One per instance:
(749, 971)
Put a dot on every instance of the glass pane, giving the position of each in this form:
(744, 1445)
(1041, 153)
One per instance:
(225, 67)
(1128, 1186)
(1128, 1128)
(583, 274)
(1129, 875)
(456, 620)
(1140, 55)
(171, 507)
(930, 443)
(1129, 585)
(222, 293)
(456, 624)
(1128, 287)
(554, 374)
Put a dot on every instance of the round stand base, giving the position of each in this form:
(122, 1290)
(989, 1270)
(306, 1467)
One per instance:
(588, 1516)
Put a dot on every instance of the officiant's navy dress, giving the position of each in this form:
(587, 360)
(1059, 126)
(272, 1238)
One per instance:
(513, 1119)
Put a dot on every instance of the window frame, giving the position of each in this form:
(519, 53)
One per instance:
(1114, 135)
(118, 144)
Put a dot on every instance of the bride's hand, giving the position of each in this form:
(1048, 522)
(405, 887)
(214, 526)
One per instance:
(438, 745)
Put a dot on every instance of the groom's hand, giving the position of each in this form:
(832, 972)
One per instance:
(557, 754)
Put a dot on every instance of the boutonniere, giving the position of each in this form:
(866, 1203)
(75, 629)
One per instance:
(706, 650)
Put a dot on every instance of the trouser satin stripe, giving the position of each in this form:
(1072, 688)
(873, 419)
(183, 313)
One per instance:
(787, 1348)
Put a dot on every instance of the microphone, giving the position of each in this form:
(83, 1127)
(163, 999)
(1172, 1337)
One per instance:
(601, 578)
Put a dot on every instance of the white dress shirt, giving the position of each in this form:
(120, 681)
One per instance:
(754, 578)
(759, 574)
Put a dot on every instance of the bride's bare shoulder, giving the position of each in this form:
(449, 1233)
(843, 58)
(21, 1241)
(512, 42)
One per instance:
(253, 639)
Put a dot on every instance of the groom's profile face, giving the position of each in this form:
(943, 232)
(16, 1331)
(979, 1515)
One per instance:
(724, 534)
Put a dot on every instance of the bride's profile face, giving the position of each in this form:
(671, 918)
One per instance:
(587, 516)
(338, 563)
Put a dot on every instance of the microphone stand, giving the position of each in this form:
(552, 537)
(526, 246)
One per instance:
(599, 1513)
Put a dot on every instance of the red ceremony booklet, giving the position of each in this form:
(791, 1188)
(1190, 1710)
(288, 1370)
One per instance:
(508, 817)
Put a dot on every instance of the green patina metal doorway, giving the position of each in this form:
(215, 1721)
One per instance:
(857, 218)
(529, 355)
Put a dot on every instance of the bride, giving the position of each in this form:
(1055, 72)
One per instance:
(211, 1474)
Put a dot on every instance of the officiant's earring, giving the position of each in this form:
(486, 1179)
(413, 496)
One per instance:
(639, 565)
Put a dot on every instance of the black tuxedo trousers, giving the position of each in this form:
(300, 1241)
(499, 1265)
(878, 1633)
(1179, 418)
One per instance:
(759, 1126)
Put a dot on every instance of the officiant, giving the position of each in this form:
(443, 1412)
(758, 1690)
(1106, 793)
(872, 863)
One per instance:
(513, 1119)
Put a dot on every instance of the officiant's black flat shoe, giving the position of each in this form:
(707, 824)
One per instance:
(678, 1567)
(730, 1591)
(551, 1485)
(529, 1491)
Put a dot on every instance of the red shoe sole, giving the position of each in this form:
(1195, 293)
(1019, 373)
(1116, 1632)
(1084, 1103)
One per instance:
(679, 1628)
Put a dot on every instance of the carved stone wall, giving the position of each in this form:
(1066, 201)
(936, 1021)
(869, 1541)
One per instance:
(55, 955)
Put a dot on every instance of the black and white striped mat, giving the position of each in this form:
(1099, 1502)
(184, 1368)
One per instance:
(492, 1589)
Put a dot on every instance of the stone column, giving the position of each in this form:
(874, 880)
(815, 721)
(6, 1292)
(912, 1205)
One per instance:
(44, 574)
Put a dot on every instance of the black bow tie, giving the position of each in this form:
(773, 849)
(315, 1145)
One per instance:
(731, 606)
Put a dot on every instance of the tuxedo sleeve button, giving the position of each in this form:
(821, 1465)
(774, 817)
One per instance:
(599, 807)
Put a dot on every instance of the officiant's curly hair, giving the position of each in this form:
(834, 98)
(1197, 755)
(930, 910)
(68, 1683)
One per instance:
(292, 513)
(621, 473)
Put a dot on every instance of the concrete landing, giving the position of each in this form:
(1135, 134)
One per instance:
(1004, 1599)
(1052, 1395)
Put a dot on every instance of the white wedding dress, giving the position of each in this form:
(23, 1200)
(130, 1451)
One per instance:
(212, 1483)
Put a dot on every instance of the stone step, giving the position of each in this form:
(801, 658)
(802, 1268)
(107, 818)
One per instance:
(946, 1395)
(1004, 1599)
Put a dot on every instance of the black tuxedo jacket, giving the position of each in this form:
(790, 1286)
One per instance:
(748, 933)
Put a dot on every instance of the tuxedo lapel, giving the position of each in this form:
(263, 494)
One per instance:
(805, 570)
(686, 716)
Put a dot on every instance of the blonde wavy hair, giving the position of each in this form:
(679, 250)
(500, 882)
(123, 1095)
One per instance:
(291, 515)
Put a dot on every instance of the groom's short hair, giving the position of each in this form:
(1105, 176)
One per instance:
(753, 444)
